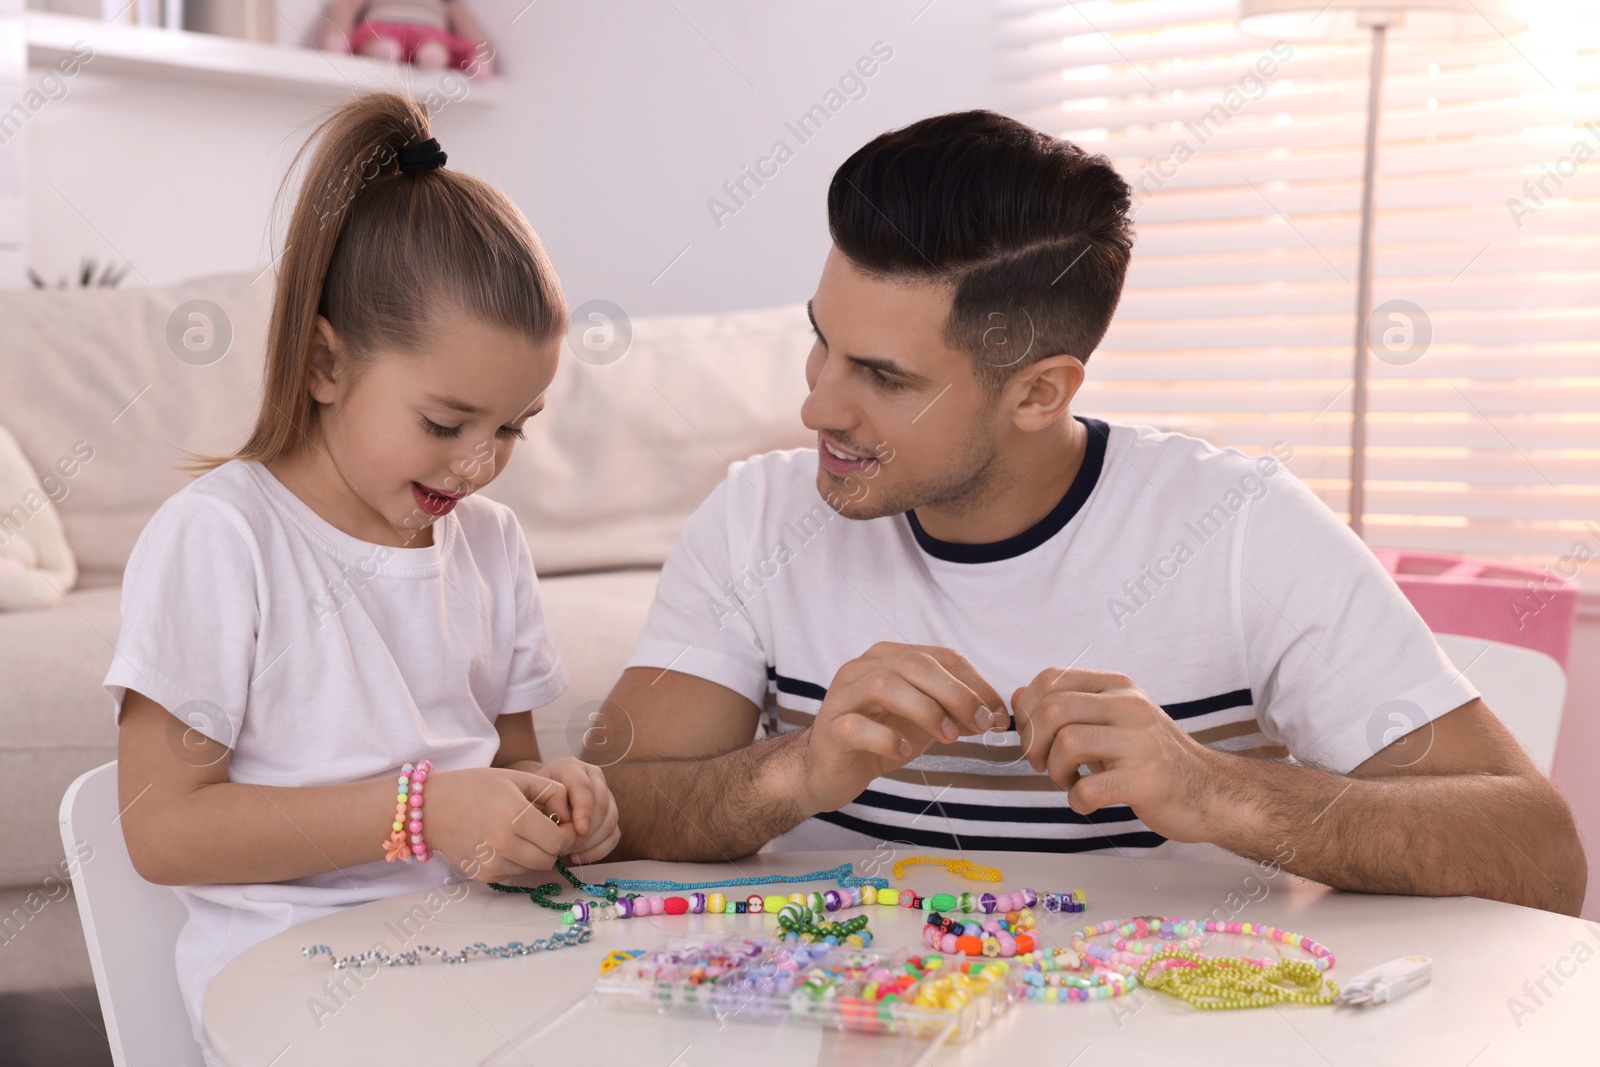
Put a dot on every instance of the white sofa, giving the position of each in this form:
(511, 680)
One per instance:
(608, 474)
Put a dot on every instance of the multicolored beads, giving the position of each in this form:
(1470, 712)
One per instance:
(1071, 902)
(1004, 937)
(798, 920)
(827, 901)
(911, 996)
(405, 840)
(1097, 972)
(1056, 976)
(1128, 948)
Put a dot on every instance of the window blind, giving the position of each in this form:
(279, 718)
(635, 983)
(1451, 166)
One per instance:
(1238, 318)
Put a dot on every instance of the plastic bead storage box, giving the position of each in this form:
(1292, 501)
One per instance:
(773, 980)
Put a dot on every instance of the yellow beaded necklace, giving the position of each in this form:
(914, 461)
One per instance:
(972, 872)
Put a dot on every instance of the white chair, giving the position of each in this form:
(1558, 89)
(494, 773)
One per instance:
(131, 926)
(1524, 688)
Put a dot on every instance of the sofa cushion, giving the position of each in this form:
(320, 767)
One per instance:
(595, 619)
(55, 720)
(627, 450)
(130, 379)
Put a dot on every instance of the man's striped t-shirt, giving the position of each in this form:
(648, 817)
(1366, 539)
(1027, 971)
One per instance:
(1217, 582)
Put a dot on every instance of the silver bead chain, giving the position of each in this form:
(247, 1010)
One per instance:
(577, 935)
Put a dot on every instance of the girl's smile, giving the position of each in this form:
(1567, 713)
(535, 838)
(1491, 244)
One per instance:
(434, 501)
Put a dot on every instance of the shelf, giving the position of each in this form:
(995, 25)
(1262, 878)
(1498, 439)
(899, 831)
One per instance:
(202, 57)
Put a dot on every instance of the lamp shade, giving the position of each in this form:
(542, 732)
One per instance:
(1315, 20)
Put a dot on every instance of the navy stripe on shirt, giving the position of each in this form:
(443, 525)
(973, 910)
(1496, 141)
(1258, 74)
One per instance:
(874, 798)
(950, 842)
(1186, 709)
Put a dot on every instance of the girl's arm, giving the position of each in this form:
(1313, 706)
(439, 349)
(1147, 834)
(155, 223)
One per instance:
(186, 824)
(518, 744)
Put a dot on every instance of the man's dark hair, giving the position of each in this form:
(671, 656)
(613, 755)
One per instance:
(1031, 230)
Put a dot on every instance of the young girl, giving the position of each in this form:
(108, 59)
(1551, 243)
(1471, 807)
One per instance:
(334, 601)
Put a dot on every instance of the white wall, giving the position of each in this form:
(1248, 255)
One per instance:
(620, 118)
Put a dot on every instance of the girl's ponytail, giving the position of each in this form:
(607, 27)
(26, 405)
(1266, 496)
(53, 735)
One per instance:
(378, 249)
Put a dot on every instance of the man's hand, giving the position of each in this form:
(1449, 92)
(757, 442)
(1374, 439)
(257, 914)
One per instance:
(883, 709)
(1140, 757)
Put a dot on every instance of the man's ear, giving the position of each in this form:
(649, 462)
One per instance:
(327, 362)
(1040, 393)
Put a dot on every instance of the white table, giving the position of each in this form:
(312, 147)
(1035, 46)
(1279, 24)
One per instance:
(535, 1010)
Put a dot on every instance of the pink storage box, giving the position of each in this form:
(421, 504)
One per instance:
(1493, 601)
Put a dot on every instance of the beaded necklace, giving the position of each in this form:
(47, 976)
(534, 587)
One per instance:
(1220, 983)
(1099, 972)
(612, 889)
(411, 957)
(697, 903)
(797, 919)
(972, 872)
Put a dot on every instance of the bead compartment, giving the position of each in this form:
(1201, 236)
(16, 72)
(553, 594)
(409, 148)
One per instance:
(922, 995)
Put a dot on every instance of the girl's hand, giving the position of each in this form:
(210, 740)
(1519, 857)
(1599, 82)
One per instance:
(594, 811)
(496, 823)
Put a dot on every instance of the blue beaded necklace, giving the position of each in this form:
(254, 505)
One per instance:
(844, 874)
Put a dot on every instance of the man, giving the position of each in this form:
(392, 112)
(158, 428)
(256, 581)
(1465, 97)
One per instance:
(1035, 631)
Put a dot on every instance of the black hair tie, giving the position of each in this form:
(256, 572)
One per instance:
(421, 158)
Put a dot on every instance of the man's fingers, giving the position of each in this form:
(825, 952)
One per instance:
(1077, 680)
(867, 735)
(1038, 719)
(1065, 680)
(944, 674)
(916, 715)
(1095, 791)
(1066, 753)
(1083, 744)
(957, 684)
(1037, 723)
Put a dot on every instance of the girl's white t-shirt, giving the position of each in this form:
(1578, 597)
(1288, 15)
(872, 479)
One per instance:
(318, 659)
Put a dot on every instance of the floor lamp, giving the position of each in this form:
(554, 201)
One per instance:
(1377, 20)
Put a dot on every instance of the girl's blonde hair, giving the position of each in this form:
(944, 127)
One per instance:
(379, 253)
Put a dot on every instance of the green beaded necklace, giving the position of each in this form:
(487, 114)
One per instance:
(797, 919)
(544, 895)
